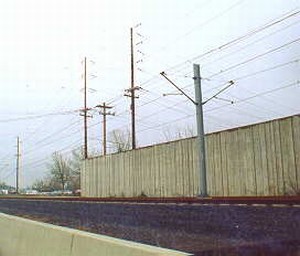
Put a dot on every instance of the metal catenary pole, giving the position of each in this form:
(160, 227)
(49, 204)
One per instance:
(200, 127)
(200, 131)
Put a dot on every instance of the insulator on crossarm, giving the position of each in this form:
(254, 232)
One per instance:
(140, 52)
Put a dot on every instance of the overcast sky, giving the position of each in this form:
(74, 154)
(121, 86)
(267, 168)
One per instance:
(43, 44)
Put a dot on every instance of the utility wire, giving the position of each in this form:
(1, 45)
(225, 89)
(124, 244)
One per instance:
(255, 57)
(243, 37)
(213, 62)
(39, 116)
(255, 96)
(267, 69)
(224, 46)
(217, 16)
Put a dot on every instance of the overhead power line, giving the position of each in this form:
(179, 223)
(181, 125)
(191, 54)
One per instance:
(256, 95)
(267, 69)
(269, 24)
(270, 91)
(217, 16)
(238, 39)
(22, 118)
(255, 57)
(250, 44)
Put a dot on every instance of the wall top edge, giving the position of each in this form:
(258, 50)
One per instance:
(208, 134)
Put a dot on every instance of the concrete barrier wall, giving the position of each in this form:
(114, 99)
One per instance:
(22, 237)
(154, 171)
(261, 159)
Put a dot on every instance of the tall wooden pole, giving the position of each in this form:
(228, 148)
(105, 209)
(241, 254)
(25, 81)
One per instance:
(104, 113)
(85, 114)
(132, 92)
(104, 128)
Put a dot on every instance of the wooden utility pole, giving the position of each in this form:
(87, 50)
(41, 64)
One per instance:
(104, 113)
(85, 114)
(18, 155)
(131, 92)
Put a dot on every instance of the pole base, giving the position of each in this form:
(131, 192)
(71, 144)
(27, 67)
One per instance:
(203, 195)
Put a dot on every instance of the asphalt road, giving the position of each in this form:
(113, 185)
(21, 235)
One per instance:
(199, 229)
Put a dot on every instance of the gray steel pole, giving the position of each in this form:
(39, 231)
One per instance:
(200, 131)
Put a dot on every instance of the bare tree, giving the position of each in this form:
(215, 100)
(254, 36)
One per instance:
(76, 164)
(120, 140)
(63, 173)
(41, 185)
(60, 170)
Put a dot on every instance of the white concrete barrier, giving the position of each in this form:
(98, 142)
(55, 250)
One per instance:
(23, 237)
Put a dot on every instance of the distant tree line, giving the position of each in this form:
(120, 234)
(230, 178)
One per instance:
(4, 186)
(63, 173)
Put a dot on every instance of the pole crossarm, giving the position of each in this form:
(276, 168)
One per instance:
(178, 88)
(230, 83)
(103, 106)
(104, 113)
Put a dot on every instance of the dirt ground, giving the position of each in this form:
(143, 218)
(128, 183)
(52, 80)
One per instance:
(198, 229)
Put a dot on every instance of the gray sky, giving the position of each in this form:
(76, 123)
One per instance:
(43, 44)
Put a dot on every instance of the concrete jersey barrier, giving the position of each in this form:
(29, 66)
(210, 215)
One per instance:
(23, 237)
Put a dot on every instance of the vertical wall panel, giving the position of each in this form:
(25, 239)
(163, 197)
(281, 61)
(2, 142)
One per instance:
(210, 164)
(271, 159)
(122, 174)
(296, 140)
(224, 168)
(248, 158)
(163, 171)
(258, 163)
(83, 178)
(231, 154)
(91, 177)
(218, 172)
(183, 167)
(191, 168)
(168, 170)
(288, 156)
(172, 170)
(278, 154)
(262, 136)
(239, 183)
(88, 177)
(178, 160)
(244, 155)
(150, 167)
